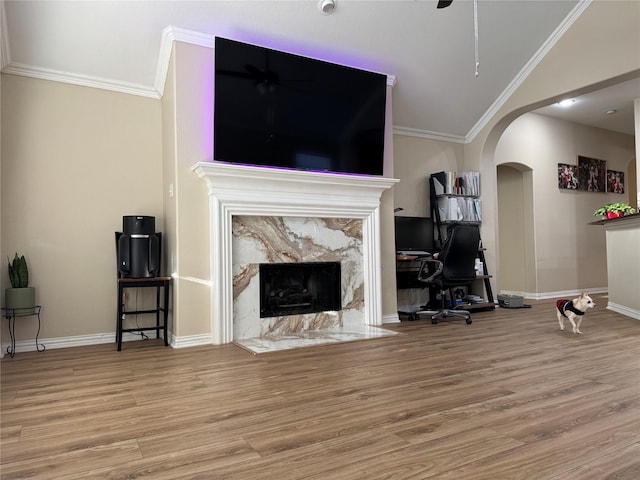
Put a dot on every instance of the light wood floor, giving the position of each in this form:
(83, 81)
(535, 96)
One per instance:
(508, 397)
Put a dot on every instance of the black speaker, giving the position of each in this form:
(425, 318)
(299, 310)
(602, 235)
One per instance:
(138, 225)
(138, 247)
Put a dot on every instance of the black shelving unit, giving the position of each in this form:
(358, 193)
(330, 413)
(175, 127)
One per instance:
(448, 190)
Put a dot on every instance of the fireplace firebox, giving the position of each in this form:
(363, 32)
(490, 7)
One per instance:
(299, 288)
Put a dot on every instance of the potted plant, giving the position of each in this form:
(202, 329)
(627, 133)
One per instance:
(20, 295)
(614, 210)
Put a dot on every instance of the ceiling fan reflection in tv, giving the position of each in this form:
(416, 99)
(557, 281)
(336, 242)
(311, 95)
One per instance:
(264, 79)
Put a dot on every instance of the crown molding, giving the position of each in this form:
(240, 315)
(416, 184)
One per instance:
(9, 67)
(414, 132)
(169, 35)
(81, 80)
(172, 34)
(528, 68)
(391, 80)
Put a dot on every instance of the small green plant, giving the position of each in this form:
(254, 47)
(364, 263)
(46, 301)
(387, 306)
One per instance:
(18, 272)
(615, 208)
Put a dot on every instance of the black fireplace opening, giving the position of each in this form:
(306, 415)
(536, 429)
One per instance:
(298, 288)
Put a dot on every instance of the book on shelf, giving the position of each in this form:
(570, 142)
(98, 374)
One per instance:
(457, 183)
(459, 209)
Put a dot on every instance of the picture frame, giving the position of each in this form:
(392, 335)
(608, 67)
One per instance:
(567, 176)
(592, 174)
(615, 181)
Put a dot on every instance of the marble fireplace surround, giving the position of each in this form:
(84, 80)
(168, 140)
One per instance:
(257, 191)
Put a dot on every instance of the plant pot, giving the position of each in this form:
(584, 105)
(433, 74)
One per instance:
(614, 214)
(20, 298)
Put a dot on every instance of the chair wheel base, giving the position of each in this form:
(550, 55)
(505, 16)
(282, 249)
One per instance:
(446, 313)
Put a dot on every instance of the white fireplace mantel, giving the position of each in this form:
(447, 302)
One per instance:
(249, 190)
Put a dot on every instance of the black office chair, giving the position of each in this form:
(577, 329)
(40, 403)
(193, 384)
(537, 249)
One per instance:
(455, 266)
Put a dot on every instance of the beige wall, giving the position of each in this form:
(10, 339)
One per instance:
(600, 48)
(415, 159)
(2, 283)
(623, 276)
(169, 191)
(569, 253)
(388, 299)
(511, 211)
(74, 161)
(188, 119)
(635, 185)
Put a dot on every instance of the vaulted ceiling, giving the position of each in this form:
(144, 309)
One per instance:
(118, 45)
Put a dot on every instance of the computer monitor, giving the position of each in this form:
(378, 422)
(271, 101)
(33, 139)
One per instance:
(414, 234)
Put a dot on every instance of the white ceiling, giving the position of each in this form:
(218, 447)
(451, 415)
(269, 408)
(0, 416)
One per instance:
(118, 45)
(610, 108)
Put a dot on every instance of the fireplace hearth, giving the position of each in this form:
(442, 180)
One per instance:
(299, 288)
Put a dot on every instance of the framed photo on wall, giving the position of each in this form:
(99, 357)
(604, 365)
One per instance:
(567, 178)
(592, 174)
(615, 181)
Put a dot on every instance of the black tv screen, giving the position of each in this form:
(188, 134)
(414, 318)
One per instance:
(278, 109)
(414, 234)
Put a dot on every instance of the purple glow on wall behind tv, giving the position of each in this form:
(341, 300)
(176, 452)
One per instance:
(206, 115)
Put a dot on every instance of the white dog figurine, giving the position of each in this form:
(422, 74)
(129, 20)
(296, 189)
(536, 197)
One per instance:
(573, 310)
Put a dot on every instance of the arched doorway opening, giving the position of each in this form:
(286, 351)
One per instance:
(516, 256)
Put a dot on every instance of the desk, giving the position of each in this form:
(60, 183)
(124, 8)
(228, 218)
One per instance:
(11, 314)
(413, 295)
(153, 282)
(407, 268)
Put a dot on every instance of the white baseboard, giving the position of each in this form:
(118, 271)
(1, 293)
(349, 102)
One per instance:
(64, 342)
(558, 294)
(191, 341)
(614, 307)
(100, 338)
(390, 318)
(629, 312)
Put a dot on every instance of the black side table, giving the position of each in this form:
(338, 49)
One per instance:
(11, 314)
(161, 307)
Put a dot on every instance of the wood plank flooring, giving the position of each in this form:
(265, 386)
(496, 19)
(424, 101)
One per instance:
(508, 397)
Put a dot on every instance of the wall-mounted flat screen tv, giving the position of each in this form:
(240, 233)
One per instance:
(278, 109)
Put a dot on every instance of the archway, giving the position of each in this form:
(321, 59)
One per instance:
(516, 257)
(531, 262)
